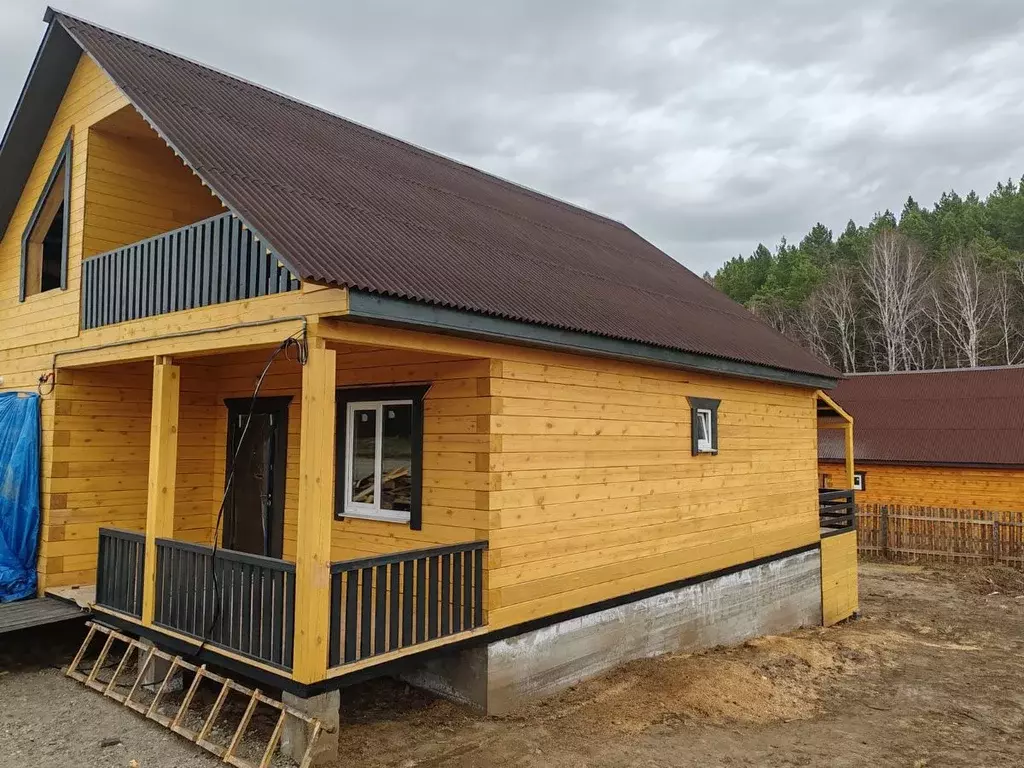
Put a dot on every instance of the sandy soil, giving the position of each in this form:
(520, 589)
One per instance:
(930, 676)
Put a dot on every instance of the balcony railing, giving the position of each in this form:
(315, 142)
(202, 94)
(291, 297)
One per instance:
(213, 261)
(837, 511)
(244, 603)
(383, 604)
(119, 570)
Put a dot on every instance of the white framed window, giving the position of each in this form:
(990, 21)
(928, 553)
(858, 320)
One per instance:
(378, 453)
(705, 430)
(858, 481)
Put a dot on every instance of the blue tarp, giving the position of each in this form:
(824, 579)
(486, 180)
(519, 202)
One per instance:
(19, 494)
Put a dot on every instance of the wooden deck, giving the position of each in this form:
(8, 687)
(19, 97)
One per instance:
(36, 612)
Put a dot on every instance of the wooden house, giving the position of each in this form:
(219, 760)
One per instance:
(945, 438)
(319, 404)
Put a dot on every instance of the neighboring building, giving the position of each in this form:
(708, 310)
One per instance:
(946, 438)
(482, 416)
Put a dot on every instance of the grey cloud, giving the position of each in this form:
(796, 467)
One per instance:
(706, 127)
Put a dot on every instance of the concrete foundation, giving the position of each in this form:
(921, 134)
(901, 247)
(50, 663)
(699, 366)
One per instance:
(295, 735)
(157, 671)
(775, 597)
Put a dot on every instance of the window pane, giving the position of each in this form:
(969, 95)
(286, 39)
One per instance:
(364, 459)
(703, 426)
(396, 459)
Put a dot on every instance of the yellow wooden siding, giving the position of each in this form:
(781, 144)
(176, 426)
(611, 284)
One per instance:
(96, 443)
(839, 598)
(455, 449)
(136, 188)
(597, 495)
(962, 487)
(52, 316)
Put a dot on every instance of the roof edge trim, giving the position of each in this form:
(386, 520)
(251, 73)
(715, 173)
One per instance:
(40, 97)
(375, 308)
(229, 204)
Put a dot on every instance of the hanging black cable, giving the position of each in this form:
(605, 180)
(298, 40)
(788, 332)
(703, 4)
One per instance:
(298, 342)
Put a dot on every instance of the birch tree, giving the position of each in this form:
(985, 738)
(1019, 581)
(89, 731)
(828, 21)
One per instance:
(895, 280)
(966, 305)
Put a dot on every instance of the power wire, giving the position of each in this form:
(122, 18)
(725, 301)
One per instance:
(298, 342)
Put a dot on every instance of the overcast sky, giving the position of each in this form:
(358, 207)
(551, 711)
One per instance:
(705, 126)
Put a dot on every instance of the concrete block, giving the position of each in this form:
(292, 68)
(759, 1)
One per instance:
(157, 671)
(326, 707)
(501, 676)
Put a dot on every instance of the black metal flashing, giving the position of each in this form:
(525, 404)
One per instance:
(37, 105)
(386, 310)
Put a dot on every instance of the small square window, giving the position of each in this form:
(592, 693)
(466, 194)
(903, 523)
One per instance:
(826, 480)
(858, 481)
(703, 425)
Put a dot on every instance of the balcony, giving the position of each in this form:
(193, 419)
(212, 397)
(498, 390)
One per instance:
(213, 261)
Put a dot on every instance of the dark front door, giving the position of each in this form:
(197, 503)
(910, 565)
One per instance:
(254, 510)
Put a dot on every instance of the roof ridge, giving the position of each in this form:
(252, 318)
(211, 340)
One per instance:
(369, 132)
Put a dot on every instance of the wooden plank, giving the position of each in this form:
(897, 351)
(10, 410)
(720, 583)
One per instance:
(162, 472)
(315, 513)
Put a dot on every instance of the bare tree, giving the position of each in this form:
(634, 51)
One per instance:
(836, 300)
(895, 281)
(966, 306)
(812, 325)
(1007, 285)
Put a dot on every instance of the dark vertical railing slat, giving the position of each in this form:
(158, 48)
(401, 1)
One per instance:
(241, 602)
(209, 262)
(119, 570)
(387, 603)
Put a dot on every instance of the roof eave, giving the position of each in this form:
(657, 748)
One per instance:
(368, 307)
(40, 97)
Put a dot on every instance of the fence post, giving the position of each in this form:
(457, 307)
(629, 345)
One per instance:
(995, 537)
(885, 531)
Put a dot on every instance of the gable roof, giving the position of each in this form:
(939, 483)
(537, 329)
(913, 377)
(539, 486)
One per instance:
(967, 416)
(348, 206)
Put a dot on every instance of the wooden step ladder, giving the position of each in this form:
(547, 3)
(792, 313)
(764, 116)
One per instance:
(145, 655)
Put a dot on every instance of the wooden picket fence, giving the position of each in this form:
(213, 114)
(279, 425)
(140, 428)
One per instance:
(940, 534)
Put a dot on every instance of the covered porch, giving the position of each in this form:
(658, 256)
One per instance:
(836, 496)
(328, 551)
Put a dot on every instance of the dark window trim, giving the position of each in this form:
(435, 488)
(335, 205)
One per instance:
(344, 396)
(275, 405)
(63, 161)
(703, 404)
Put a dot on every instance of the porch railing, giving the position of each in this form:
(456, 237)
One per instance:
(383, 604)
(210, 262)
(244, 603)
(837, 511)
(119, 570)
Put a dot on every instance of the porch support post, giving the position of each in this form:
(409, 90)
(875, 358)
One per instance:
(316, 511)
(163, 465)
(848, 429)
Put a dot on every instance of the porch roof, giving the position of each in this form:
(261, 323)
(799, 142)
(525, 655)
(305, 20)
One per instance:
(344, 205)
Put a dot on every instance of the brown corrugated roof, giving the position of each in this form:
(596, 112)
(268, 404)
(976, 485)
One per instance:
(348, 206)
(964, 416)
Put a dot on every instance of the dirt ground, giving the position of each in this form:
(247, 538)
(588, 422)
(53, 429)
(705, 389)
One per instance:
(930, 676)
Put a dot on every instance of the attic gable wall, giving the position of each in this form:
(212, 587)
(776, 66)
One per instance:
(52, 316)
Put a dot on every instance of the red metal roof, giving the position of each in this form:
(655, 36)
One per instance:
(963, 416)
(348, 206)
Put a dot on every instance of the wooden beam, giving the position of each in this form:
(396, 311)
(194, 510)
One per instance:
(316, 510)
(849, 454)
(163, 466)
